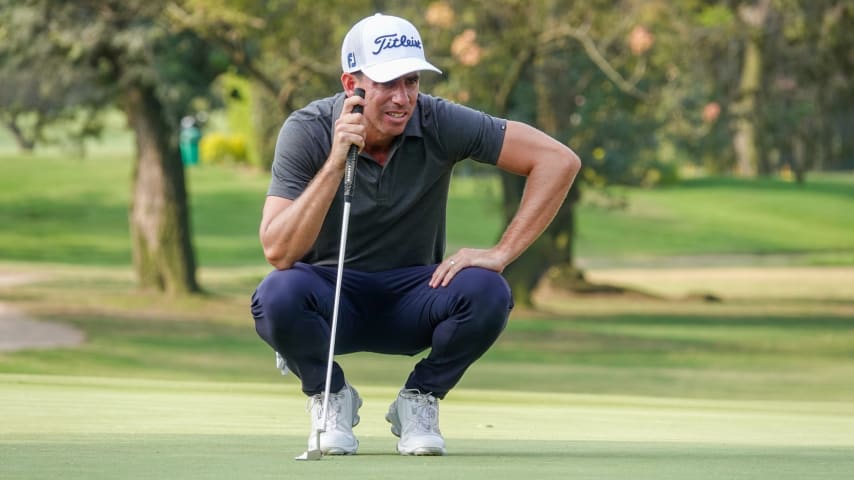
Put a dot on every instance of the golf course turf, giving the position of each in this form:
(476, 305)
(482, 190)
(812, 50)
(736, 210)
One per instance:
(736, 365)
(80, 427)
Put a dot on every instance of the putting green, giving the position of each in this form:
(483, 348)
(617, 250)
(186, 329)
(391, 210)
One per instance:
(78, 427)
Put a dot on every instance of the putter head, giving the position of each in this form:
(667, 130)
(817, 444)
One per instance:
(312, 453)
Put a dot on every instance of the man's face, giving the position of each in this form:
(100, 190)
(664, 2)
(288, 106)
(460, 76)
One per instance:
(389, 106)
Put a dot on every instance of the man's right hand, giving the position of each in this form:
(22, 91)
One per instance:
(349, 130)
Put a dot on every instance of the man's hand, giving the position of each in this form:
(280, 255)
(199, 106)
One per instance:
(349, 130)
(464, 258)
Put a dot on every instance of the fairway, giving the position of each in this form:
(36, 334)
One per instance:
(80, 427)
(754, 387)
(730, 363)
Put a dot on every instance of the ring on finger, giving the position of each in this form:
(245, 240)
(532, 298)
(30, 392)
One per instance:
(452, 262)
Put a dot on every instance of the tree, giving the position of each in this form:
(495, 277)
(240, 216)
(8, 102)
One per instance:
(265, 42)
(152, 71)
(534, 59)
(31, 103)
(50, 92)
(564, 68)
(745, 108)
(807, 100)
(638, 87)
(778, 71)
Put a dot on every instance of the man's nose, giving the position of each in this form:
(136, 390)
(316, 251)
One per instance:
(400, 95)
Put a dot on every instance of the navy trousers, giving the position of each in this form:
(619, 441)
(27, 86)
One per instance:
(391, 312)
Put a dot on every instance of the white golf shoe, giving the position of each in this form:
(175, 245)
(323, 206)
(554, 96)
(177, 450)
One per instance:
(414, 417)
(343, 415)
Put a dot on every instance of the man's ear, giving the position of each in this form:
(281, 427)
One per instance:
(349, 81)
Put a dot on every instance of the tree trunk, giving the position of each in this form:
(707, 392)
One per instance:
(159, 215)
(745, 109)
(25, 144)
(553, 250)
(799, 159)
(745, 139)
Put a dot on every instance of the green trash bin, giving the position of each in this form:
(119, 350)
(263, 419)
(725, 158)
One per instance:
(188, 141)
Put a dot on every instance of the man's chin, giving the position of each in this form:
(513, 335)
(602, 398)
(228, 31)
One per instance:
(395, 128)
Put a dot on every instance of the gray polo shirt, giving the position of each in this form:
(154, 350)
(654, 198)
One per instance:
(397, 215)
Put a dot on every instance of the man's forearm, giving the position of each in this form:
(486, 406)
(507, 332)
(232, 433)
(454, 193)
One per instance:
(292, 231)
(546, 188)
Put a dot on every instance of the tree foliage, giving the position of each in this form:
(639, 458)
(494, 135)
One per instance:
(153, 71)
(41, 90)
(643, 90)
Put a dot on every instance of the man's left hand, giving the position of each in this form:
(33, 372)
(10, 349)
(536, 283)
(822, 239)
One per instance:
(464, 258)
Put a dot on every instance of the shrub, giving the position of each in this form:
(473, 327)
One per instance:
(220, 148)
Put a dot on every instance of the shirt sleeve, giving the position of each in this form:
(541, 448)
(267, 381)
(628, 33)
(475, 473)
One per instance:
(469, 133)
(300, 153)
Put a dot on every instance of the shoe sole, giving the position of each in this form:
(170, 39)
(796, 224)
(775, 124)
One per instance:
(424, 452)
(341, 451)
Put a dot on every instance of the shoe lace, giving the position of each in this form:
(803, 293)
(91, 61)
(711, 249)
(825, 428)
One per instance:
(425, 413)
(333, 414)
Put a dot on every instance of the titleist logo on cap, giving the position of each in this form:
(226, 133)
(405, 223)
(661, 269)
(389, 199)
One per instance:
(395, 40)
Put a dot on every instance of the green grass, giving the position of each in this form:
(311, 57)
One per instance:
(93, 428)
(756, 385)
(749, 347)
(785, 336)
(724, 216)
(68, 210)
(76, 211)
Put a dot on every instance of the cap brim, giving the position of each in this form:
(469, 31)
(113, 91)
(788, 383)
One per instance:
(387, 71)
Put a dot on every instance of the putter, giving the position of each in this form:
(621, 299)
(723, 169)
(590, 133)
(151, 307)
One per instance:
(349, 177)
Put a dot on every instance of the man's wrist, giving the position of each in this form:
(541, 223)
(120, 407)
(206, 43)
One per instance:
(503, 256)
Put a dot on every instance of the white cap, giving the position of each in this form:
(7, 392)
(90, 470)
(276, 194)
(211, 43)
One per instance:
(384, 47)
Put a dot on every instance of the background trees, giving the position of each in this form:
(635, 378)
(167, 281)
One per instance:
(644, 91)
(130, 54)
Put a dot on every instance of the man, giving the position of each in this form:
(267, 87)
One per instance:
(398, 295)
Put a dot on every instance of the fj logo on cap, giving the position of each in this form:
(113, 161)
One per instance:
(395, 40)
(351, 60)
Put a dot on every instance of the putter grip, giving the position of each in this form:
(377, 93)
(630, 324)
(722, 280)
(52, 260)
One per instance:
(352, 157)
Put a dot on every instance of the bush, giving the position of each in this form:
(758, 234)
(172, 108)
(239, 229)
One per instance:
(238, 96)
(221, 148)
